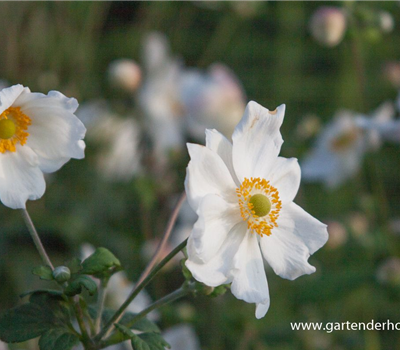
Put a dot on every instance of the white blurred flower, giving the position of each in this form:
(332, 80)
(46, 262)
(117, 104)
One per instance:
(118, 290)
(182, 337)
(38, 134)
(243, 193)
(159, 97)
(328, 25)
(389, 271)
(118, 139)
(342, 144)
(337, 234)
(386, 22)
(212, 100)
(124, 74)
(391, 71)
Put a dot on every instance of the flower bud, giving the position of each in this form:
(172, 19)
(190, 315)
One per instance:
(61, 274)
(125, 74)
(328, 25)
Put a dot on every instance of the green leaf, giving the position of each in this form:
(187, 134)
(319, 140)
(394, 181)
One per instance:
(76, 286)
(44, 272)
(101, 262)
(144, 341)
(24, 322)
(58, 339)
(154, 340)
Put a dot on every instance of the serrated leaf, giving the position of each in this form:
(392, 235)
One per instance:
(52, 303)
(74, 265)
(101, 262)
(24, 322)
(44, 272)
(76, 286)
(58, 339)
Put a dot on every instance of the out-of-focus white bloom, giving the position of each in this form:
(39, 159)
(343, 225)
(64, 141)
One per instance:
(328, 25)
(382, 124)
(243, 194)
(125, 74)
(159, 97)
(341, 146)
(389, 271)
(38, 134)
(308, 126)
(118, 139)
(394, 226)
(118, 290)
(212, 100)
(391, 71)
(181, 337)
(386, 22)
(358, 223)
(337, 235)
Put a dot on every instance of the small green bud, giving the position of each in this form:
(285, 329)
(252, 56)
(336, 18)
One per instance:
(62, 274)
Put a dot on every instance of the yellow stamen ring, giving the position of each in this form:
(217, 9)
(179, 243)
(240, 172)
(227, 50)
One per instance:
(259, 205)
(13, 126)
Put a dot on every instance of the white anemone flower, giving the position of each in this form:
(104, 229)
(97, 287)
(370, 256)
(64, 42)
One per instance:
(243, 193)
(38, 134)
(212, 100)
(159, 97)
(342, 144)
(182, 337)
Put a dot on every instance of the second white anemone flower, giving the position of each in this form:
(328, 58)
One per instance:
(243, 194)
(38, 134)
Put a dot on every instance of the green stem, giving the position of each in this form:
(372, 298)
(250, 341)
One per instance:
(36, 238)
(179, 293)
(101, 297)
(119, 313)
(81, 322)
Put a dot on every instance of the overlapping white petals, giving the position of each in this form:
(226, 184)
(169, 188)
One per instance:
(217, 270)
(200, 181)
(221, 248)
(213, 225)
(55, 136)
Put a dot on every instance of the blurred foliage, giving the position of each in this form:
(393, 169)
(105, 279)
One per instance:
(67, 46)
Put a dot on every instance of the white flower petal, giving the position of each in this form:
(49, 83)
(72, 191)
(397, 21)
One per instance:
(218, 143)
(216, 219)
(217, 270)
(289, 246)
(20, 177)
(9, 95)
(56, 133)
(285, 175)
(207, 173)
(257, 141)
(249, 279)
(262, 309)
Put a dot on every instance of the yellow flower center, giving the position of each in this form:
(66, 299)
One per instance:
(13, 126)
(259, 205)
